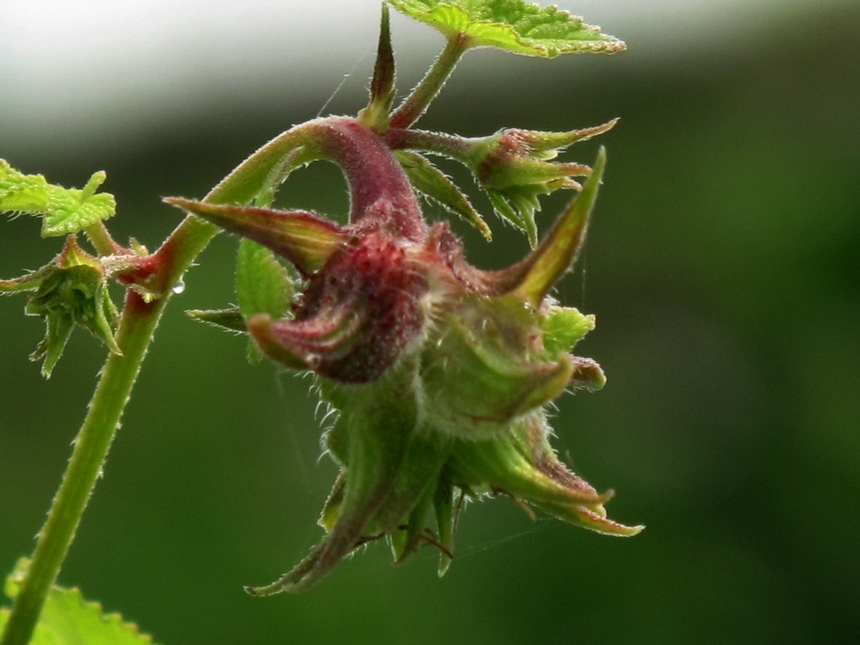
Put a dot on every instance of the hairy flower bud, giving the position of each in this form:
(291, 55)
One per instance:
(70, 291)
(439, 371)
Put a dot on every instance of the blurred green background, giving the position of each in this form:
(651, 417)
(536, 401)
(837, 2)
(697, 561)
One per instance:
(724, 269)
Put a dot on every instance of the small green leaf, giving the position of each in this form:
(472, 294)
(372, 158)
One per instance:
(431, 181)
(563, 327)
(511, 25)
(64, 211)
(68, 619)
(263, 286)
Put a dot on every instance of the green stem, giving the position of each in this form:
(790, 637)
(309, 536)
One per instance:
(102, 241)
(449, 145)
(136, 329)
(416, 103)
(91, 447)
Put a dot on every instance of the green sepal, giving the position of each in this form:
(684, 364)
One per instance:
(481, 374)
(511, 25)
(518, 205)
(503, 464)
(433, 183)
(378, 422)
(302, 238)
(422, 463)
(545, 145)
(563, 327)
(559, 249)
(230, 319)
(64, 211)
(67, 618)
(382, 90)
(27, 282)
(403, 513)
(70, 291)
(50, 348)
(445, 511)
(408, 537)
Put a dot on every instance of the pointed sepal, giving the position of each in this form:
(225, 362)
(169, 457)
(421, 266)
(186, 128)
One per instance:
(521, 464)
(376, 114)
(302, 238)
(491, 345)
(64, 211)
(446, 510)
(545, 146)
(515, 169)
(377, 444)
(435, 184)
(533, 278)
(228, 319)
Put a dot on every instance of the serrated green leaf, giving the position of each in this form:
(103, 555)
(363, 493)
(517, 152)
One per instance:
(305, 240)
(70, 211)
(431, 181)
(64, 211)
(68, 619)
(511, 25)
(20, 193)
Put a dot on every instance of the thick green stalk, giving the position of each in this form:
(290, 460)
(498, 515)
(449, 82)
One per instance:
(416, 103)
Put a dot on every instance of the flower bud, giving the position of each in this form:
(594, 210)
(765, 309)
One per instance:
(439, 372)
(514, 168)
(70, 291)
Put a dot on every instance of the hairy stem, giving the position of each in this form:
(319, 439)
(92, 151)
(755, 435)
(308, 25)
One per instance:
(416, 103)
(342, 140)
(101, 239)
(136, 329)
(448, 145)
(91, 447)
